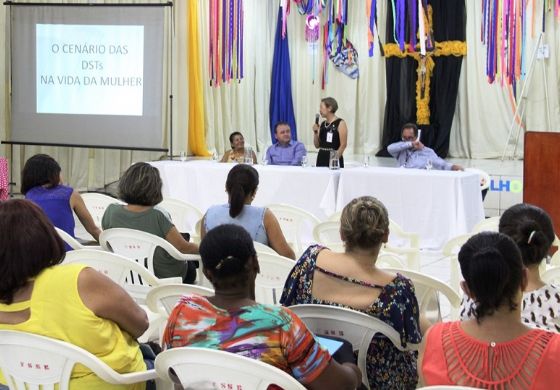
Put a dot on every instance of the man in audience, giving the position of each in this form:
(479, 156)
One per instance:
(285, 151)
(411, 153)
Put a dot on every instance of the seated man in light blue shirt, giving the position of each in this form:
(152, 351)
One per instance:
(411, 153)
(285, 151)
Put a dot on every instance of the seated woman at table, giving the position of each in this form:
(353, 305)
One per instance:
(41, 182)
(494, 349)
(237, 152)
(352, 280)
(241, 186)
(532, 230)
(72, 303)
(140, 187)
(232, 321)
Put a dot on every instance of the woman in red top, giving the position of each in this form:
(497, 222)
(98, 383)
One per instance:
(494, 350)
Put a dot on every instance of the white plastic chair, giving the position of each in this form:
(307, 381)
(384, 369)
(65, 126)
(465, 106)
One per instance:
(184, 216)
(297, 225)
(484, 177)
(335, 217)
(427, 290)
(140, 246)
(328, 234)
(355, 327)
(96, 204)
(166, 296)
(487, 225)
(451, 251)
(72, 242)
(262, 248)
(389, 260)
(29, 361)
(136, 279)
(200, 368)
(274, 270)
(551, 276)
(410, 250)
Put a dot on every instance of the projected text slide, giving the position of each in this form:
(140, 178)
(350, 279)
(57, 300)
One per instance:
(90, 69)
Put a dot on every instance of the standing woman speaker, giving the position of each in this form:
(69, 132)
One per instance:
(331, 135)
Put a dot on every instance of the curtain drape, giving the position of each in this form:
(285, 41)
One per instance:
(402, 75)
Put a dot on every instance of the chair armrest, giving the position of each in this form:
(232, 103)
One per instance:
(175, 280)
(135, 377)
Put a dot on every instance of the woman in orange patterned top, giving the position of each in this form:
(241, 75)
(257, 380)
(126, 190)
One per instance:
(232, 320)
(494, 350)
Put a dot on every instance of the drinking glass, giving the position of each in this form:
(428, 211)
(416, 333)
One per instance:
(304, 161)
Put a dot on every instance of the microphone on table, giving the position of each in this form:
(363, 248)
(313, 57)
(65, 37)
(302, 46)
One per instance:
(317, 116)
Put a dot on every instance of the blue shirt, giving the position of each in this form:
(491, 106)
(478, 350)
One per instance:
(55, 202)
(251, 219)
(408, 157)
(290, 154)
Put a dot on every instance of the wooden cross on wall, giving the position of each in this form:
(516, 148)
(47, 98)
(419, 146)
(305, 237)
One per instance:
(425, 66)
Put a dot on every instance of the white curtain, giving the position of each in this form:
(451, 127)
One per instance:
(483, 115)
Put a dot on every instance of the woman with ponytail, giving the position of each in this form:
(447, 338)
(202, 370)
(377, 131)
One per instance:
(494, 349)
(241, 186)
(352, 280)
(232, 321)
(531, 229)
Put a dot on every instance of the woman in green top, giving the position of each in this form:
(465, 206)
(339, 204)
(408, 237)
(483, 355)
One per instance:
(140, 187)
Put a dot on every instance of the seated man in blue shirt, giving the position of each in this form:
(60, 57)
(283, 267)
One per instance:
(411, 153)
(285, 151)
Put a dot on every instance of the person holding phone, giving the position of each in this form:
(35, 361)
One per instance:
(410, 152)
(331, 135)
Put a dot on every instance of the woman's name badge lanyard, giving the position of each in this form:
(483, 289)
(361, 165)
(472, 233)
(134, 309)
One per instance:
(329, 133)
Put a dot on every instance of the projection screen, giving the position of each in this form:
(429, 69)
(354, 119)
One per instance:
(87, 75)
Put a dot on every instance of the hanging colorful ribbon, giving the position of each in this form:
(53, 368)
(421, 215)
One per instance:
(371, 12)
(225, 47)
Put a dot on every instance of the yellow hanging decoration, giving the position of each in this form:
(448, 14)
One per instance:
(425, 68)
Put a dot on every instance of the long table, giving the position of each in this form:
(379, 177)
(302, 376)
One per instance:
(436, 204)
(202, 183)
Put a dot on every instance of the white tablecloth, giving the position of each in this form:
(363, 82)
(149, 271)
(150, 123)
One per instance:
(202, 183)
(438, 205)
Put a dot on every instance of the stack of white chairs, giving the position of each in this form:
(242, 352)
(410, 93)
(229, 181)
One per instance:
(30, 361)
(355, 327)
(296, 224)
(184, 216)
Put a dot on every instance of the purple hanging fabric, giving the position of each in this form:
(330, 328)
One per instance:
(413, 25)
(401, 16)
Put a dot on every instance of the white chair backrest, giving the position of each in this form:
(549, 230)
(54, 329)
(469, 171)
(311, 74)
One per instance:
(97, 204)
(389, 260)
(29, 361)
(355, 327)
(200, 368)
(427, 290)
(327, 232)
(335, 217)
(297, 225)
(262, 248)
(184, 215)
(450, 251)
(136, 279)
(67, 238)
(551, 276)
(484, 177)
(487, 225)
(274, 270)
(140, 246)
(166, 296)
